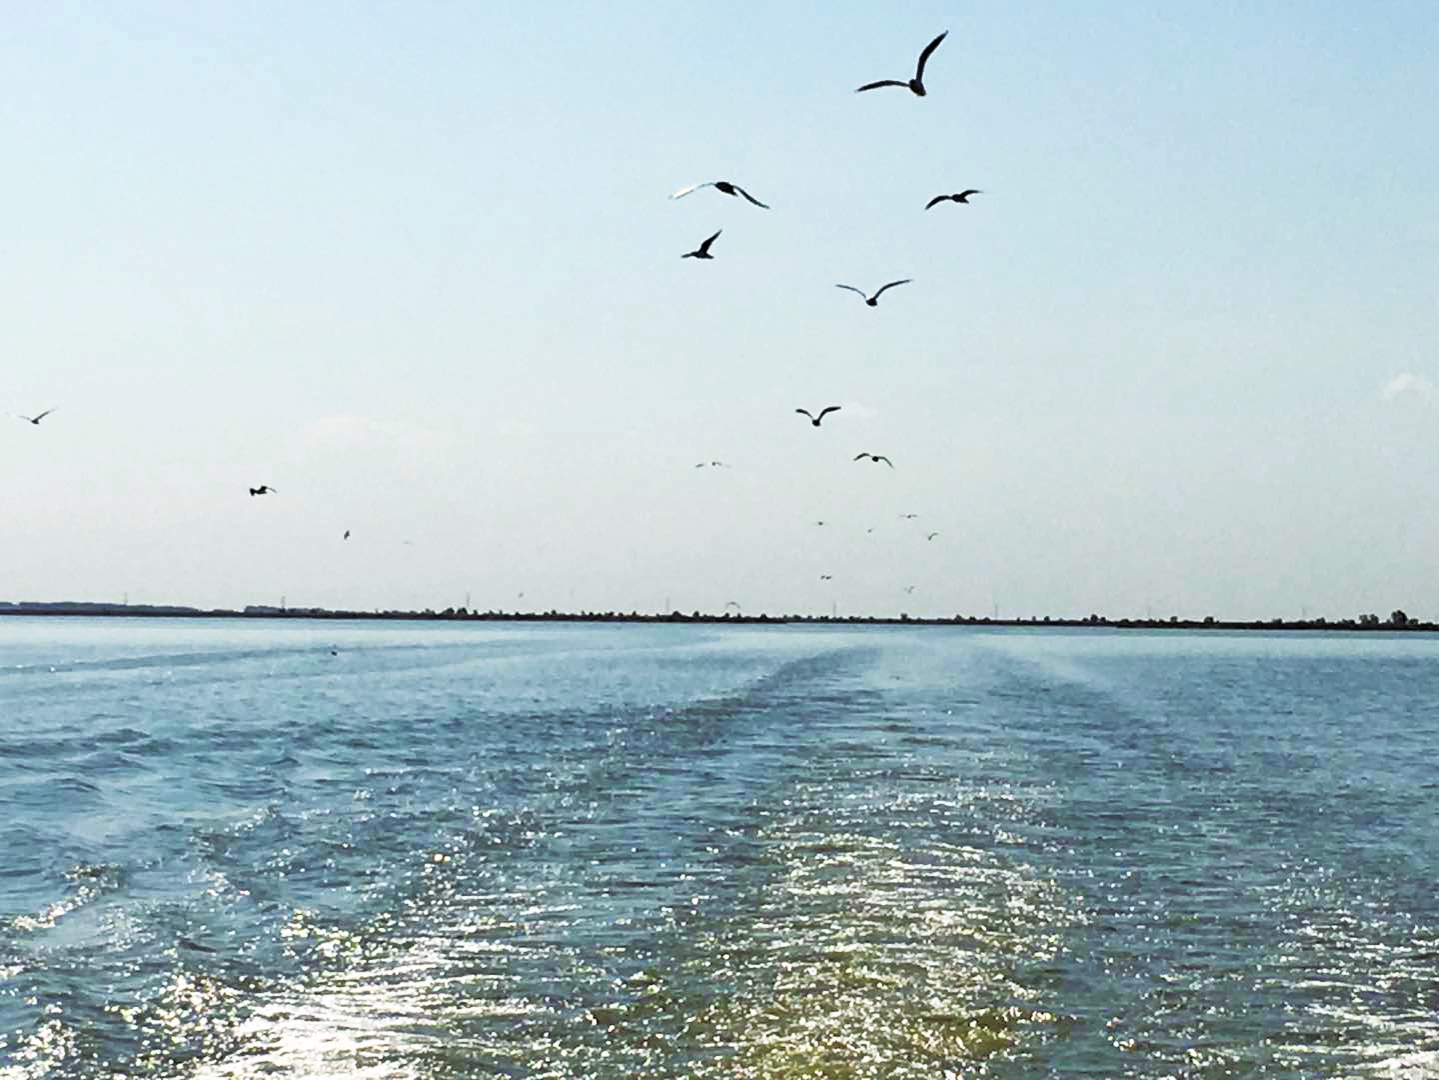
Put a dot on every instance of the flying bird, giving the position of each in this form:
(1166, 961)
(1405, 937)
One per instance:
(716, 464)
(915, 84)
(909, 588)
(874, 457)
(931, 536)
(958, 196)
(703, 251)
(813, 419)
(263, 489)
(873, 301)
(346, 536)
(720, 185)
(909, 517)
(826, 577)
(36, 419)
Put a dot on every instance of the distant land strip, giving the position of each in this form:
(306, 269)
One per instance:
(1396, 621)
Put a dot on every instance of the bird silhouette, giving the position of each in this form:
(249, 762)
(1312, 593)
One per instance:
(916, 84)
(874, 457)
(958, 196)
(720, 185)
(813, 419)
(931, 536)
(873, 301)
(703, 251)
(826, 577)
(346, 536)
(909, 588)
(716, 464)
(36, 419)
(263, 489)
(909, 517)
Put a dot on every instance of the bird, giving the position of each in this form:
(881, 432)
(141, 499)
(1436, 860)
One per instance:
(874, 458)
(909, 517)
(716, 464)
(958, 196)
(931, 536)
(721, 185)
(873, 301)
(703, 251)
(36, 419)
(813, 419)
(346, 536)
(826, 577)
(909, 588)
(263, 489)
(916, 84)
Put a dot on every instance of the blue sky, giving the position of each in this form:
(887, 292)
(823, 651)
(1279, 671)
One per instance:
(416, 267)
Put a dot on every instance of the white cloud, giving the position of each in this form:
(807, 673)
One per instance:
(1407, 385)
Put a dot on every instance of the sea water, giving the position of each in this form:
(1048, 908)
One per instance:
(256, 849)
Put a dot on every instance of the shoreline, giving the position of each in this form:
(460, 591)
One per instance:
(1398, 621)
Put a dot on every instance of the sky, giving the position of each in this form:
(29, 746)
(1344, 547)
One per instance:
(416, 267)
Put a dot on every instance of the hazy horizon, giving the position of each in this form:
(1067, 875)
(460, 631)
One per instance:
(419, 272)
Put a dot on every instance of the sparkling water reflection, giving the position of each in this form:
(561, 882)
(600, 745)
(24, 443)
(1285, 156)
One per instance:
(679, 851)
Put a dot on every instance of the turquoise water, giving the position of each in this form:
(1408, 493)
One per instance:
(612, 851)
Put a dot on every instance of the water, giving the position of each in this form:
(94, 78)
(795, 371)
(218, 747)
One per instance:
(614, 851)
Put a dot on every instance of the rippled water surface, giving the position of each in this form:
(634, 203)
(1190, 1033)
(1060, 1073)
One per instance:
(234, 849)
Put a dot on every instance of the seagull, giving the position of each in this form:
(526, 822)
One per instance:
(703, 251)
(958, 196)
(826, 577)
(716, 464)
(36, 419)
(813, 419)
(346, 536)
(874, 458)
(931, 536)
(873, 301)
(263, 489)
(915, 84)
(721, 185)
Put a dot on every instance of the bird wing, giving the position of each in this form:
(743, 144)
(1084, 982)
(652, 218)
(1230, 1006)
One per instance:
(682, 192)
(807, 413)
(860, 456)
(881, 457)
(967, 193)
(44, 414)
(936, 200)
(827, 409)
(851, 288)
(750, 197)
(710, 240)
(892, 284)
(924, 56)
(882, 82)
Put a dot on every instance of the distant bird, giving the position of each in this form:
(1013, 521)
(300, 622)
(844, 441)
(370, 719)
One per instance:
(263, 489)
(909, 588)
(716, 464)
(931, 536)
(36, 419)
(959, 196)
(346, 536)
(819, 522)
(909, 517)
(732, 604)
(813, 419)
(720, 185)
(826, 577)
(703, 251)
(874, 457)
(873, 301)
(915, 84)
